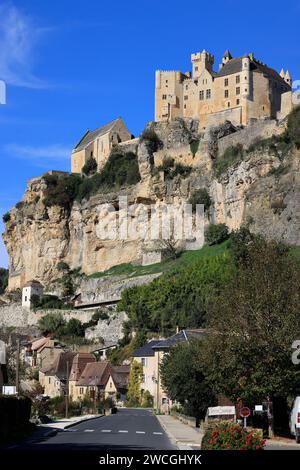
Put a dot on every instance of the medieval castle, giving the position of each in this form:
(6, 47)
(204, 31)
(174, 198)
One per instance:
(243, 91)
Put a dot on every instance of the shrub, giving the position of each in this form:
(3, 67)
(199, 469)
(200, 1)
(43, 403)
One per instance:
(90, 167)
(200, 196)
(3, 279)
(147, 399)
(216, 234)
(279, 170)
(232, 155)
(62, 266)
(293, 126)
(153, 141)
(171, 169)
(61, 190)
(6, 217)
(19, 205)
(226, 435)
(194, 145)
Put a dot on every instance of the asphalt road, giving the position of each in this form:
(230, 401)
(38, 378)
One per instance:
(128, 429)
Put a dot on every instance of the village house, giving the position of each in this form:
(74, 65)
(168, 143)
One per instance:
(98, 144)
(41, 352)
(55, 379)
(241, 91)
(102, 380)
(150, 356)
(78, 365)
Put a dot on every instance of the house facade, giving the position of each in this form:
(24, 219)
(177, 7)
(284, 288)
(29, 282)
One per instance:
(30, 290)
(54, 380)
(150, 357)
(98, 144)
(243, 89)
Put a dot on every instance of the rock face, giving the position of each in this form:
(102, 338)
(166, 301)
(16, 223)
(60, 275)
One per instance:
(38, 237)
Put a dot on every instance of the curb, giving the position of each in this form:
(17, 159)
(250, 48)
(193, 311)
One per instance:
(81, 421)
(178, 443)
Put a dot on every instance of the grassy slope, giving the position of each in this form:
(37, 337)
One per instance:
(185, 258)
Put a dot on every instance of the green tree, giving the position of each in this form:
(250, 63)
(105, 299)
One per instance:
(134, 384)
(74, 327)
(183, 377)
(90, 166)
(254, 322)
(216, 233)
(51, 322)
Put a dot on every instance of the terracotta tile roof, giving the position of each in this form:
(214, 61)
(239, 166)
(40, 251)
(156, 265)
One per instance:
(59, 366)
(95, 373)
(79, 363)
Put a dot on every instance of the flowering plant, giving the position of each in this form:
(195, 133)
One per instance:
(226, 435)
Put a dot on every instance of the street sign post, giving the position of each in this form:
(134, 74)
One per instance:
(245, 413)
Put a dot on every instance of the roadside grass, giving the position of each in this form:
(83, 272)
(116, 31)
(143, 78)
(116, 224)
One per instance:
(184, 259)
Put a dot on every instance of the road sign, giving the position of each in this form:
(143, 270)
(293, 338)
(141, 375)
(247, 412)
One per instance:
(245, 412)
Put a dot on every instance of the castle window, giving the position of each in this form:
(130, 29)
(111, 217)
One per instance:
(237, 101)
(186, 97)
(246, 90)
(184, 106)
(208, 94)
(91, 153)
(196, 69)
(164, 97)
(226, 93)
(237, 90)
(201, 95)
(237, 79)
(228, 104)
(166, 81)
(226, 82)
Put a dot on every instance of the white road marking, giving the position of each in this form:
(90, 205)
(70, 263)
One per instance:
(140, 432)
(158, 433)
(122, 431)
(105, 430)
(89, 430)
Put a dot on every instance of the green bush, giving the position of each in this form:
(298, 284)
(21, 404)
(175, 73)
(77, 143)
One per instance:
(19, 205)
(62, 266)
(90, 167)
(61, 190)
(171, 170)
(293, 126)
(147, 399)
(151, 138)
(200, 196)
(232, 155)
(226, 435)
(6, 217)
(216, 234)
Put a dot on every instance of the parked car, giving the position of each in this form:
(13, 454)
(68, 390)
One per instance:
(295, 420)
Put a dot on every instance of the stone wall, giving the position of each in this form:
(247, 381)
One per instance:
(249, 135)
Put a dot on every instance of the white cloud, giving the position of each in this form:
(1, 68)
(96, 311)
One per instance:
(39, 154)
(18, 37)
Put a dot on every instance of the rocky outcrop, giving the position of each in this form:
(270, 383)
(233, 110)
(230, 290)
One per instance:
(38, 237)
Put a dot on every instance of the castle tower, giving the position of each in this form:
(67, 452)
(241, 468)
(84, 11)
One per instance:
(282, 74)
(202, 61)
(287, 78)
(226, 57)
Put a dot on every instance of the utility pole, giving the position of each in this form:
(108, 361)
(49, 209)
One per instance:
(18, 367)
(67, 392)
(95, 402)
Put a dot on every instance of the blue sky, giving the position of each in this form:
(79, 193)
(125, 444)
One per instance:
(72, 65)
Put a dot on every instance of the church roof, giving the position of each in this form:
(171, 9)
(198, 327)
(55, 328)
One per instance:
(89, 136)
(227, 54)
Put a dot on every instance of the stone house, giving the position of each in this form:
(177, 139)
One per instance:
(242, 90)
(55, 379)
(31, 289)
(78, 365)
(150, 356)
(41, 352)
(98, 144)
(102, 379)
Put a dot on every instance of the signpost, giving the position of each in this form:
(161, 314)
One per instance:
(245, 413)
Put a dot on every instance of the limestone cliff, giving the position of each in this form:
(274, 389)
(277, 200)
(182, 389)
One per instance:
(249, 191)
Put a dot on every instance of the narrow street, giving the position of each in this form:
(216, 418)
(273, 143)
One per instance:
(126, 430)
